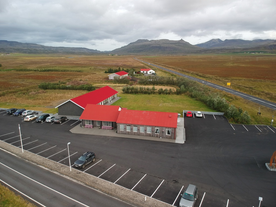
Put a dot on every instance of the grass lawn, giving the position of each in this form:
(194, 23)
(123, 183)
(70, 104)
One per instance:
(164, 103)
(9, 198)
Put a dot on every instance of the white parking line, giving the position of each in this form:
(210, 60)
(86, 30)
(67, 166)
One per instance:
(214, 116)
(245, 128)
(258, 128)
(157, 188)
(270, 129)
(74, 123)
(29, 143)
(46, 150)
(56, 153)
(178, 195)
(45, 186)
(202, 199)
(227, 203)
(139, 181)
(6, 134)
(232, 127)
(65, 122)
(22, 193)
(19, 140)
(122, 176)
(92, 166)
(10, 138)
(67, 157)
(37, 146)
(106, 170)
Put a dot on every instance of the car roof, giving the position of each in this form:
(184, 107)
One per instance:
(191, 189)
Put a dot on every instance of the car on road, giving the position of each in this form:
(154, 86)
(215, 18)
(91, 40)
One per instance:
(85, 159)
(189, 114)
(11, 111)
(19, 112)
(189, 197)
(199, 114)
(50, 119)
(27, 112)
(59, 120)
(42, 118)
(30, 117)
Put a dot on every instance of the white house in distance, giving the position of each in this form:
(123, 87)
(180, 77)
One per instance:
(147, 71)
(120, 75)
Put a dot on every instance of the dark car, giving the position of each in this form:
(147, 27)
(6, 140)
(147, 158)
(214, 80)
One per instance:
(11, 111)
(42, 118)
(59, 120)
(19, 112)
(85, 159)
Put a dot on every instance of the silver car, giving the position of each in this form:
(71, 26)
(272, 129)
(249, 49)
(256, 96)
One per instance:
(189, 197)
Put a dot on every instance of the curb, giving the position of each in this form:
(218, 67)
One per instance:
(104, 186)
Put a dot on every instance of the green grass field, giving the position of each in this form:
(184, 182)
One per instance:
(163, 103)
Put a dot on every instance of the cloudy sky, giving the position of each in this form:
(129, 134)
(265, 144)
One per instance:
(109, 24)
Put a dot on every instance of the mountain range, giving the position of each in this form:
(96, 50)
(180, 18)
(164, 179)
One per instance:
(149, 47)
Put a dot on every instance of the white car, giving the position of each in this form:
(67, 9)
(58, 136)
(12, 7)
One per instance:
(30, 118)
(27, 112)
(50, 119)
(199, 114)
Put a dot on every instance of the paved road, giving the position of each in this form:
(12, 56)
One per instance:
(47, 188)
(257, 100)
(224, 162)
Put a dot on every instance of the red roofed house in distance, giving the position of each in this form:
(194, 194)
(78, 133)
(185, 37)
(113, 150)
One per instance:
(120, 75)
(147, 71)
(75, 106)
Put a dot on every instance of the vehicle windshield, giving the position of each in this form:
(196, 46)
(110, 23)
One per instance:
(41, 117)
(188, 196)
(82, 158)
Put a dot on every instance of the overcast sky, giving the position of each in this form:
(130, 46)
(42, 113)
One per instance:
(109, 24)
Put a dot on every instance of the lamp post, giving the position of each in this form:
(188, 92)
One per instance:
(260, 201)
(20, 138)
(69, 155)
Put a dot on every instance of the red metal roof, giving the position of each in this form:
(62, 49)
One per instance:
(148, 118)
(121, 73)
(94, 97)
(100, 113)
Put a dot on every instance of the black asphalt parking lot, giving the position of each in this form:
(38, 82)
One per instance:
(225, 161)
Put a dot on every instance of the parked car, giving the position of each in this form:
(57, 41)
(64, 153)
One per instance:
(30, 117)
(11, 111)
(85, 159)
(42, 118)
(59, 120)
(189, 114)
(50, 119)
(19, 112)
(199, 114)
(189, 197)
(27, 112)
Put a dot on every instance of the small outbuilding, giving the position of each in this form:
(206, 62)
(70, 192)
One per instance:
(75, 106)
(120, 75)
(147, 71)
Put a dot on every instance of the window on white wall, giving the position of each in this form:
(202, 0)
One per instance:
(134, 129)
(148, 129)
(168, 131)
(156, 130)
(122, 127)
(128, 128)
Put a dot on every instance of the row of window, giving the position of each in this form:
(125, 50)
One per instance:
(142, 129)
(98, 123)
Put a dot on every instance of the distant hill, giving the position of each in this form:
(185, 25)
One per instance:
(17, 47)
(233, 44)
(157, 47)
